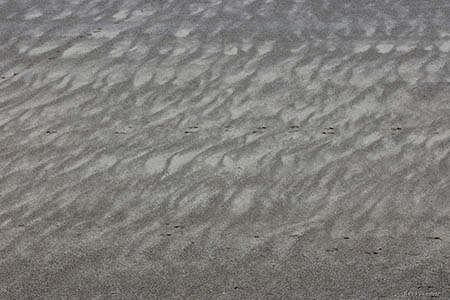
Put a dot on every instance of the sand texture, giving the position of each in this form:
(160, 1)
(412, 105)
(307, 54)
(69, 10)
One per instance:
(224, 149)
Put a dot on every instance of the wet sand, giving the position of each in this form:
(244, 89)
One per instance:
(224, 149)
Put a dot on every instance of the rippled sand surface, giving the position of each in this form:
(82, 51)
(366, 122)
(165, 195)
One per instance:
(224, 149)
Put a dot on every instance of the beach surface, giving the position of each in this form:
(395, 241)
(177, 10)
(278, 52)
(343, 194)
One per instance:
(224, 149)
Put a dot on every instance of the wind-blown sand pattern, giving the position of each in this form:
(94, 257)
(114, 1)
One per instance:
(224, 149)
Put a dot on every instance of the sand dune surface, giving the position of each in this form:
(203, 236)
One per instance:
(224, 149)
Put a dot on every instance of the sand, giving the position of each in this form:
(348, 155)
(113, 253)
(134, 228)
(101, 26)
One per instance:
(224, 149)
